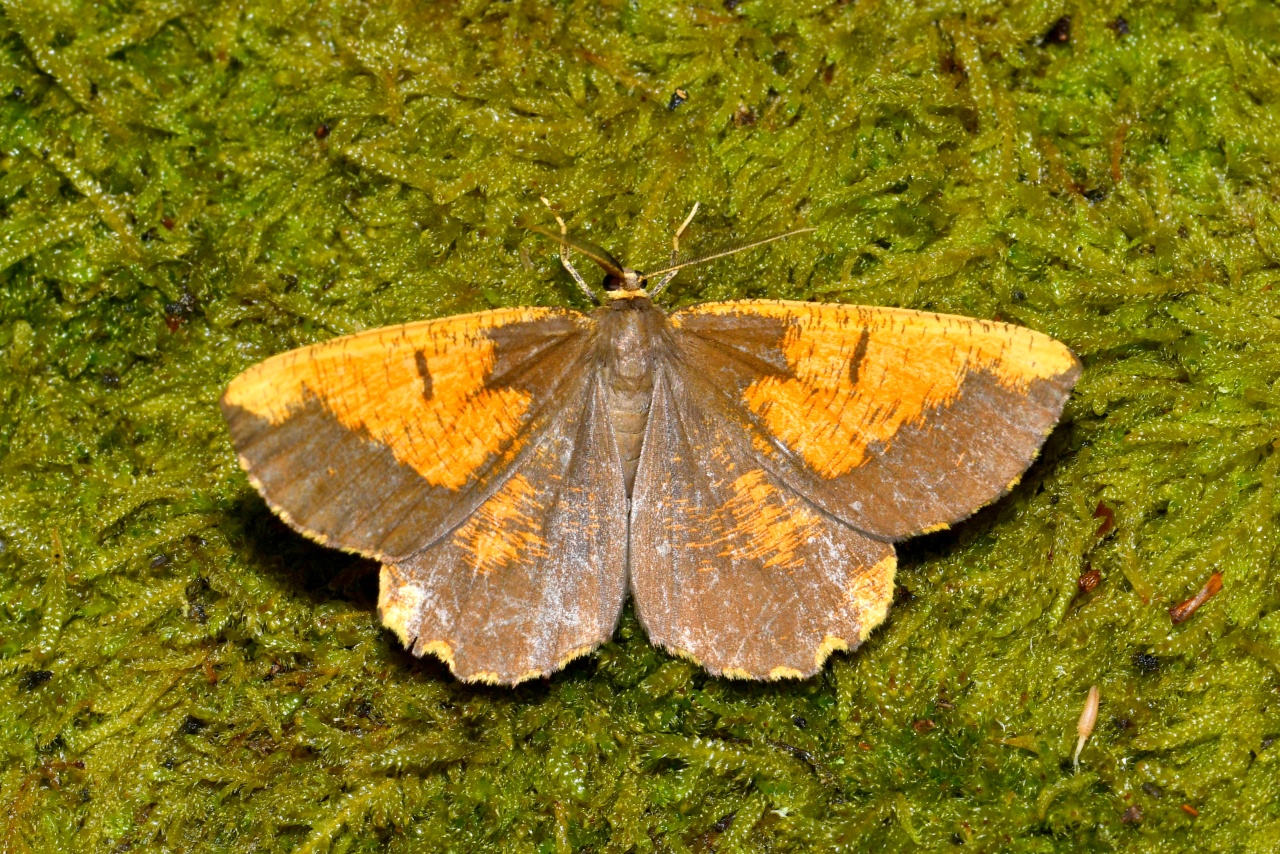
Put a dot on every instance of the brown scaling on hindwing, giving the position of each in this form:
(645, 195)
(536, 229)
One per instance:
(630, 331)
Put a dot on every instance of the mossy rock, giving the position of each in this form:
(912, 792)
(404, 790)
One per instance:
(186, 188)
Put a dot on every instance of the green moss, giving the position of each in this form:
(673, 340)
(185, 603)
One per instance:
(191, 676)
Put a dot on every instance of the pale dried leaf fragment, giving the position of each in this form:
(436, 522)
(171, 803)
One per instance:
(1088, 717)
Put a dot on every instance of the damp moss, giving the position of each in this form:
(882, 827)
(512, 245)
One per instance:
(186, 188)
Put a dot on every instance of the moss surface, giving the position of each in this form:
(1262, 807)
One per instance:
(186, 188)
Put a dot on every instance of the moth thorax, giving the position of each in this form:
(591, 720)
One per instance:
(629, 379)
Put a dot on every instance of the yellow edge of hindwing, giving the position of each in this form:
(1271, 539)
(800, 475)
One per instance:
(399, 602)
(876, 609)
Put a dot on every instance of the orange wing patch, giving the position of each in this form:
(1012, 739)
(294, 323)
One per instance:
(507, 529)
(435, 386)
(767, 525)
(859, 374)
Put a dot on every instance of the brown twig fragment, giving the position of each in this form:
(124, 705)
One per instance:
(1088, 717)
(1183, 610)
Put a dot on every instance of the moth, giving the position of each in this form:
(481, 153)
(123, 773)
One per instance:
(741, 469)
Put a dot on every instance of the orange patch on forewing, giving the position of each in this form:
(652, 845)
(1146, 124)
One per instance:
(505, 530)
(910, 363)
(373, 382)
(759, 522)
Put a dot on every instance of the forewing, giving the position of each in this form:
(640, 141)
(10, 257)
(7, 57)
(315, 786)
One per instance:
(383, 441)
(894, 421)
(730, 566)
(536, 575)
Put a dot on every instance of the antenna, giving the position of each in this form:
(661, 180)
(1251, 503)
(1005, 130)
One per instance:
(669, 273)
(732, 250)
(631, 278)
(599, 254)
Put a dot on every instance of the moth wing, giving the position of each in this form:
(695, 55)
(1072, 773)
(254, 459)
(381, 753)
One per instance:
(729, 565)
(894, 421)
(383, 441)
(536, 575)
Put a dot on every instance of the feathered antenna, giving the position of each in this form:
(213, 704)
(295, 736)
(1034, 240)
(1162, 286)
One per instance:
(599, 254)
(731, 250)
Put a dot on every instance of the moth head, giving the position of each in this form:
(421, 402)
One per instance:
(624, 283)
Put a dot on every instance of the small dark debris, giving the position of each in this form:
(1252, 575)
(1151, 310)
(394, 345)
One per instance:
(93, 89)
(19, 93)
(902, 595)
(1089, 580)
(1133, 815)
(725, 822)
(159, 560)
(198, 613)
(184, 306)
(192, 725)
(1153, 790)
(1121, 723)
(290, 280)
(33, 679)
(1145, 663)
(744, 116)
(1183, 233)
(678, 97)
(781, 63)
(1059, 33)
(322, 131)
(799, 721)
(796, 752)
(110, 379)
(1119, 26)
(1108, 517)
(730, 5)
(1096, 195)
(179, 310)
